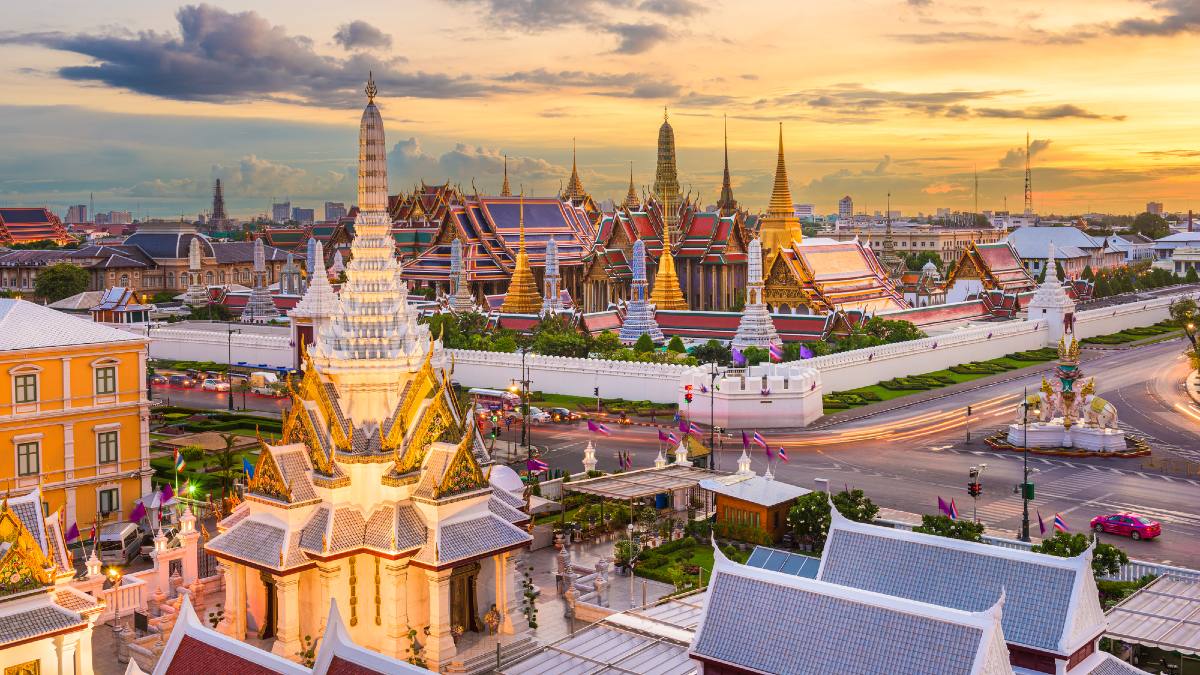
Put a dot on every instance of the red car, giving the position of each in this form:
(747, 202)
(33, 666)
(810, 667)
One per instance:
(1127, 524)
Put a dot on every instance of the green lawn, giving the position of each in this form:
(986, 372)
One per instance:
(680, 565)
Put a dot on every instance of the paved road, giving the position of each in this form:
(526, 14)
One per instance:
(212, 400)
(906, 457)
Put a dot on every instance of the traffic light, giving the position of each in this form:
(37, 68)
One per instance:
(968, 411)
(596, 392)
(974, 489)
(687, 393)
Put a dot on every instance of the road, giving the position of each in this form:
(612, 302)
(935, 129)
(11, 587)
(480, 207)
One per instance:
(906, 456)
(212, 400)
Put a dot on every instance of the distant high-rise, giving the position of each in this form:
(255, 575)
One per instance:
(77, 214)
(218, 207)
(805, 211)
(845, 208)
(1154, 207)
(303, 216)
(334, 211)
(281, 212)
(666, 179)
(1028, 181)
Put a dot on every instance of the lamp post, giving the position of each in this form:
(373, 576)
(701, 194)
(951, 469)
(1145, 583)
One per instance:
(229, 359)
(524, 389)
(1025, 491)
(1189, 329)
(712, 415)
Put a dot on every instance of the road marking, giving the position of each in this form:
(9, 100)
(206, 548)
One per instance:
(1093, 467)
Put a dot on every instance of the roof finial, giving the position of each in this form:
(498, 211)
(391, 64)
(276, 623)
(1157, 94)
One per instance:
(522, 218)
(665, 114)
(505, 191)
(371, 90)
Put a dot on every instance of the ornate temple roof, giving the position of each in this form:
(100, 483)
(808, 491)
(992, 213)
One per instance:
(522, 296)
(828, 275)
(25, 225)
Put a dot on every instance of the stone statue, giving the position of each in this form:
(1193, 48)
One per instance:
(1042, 405)
(1099, 412)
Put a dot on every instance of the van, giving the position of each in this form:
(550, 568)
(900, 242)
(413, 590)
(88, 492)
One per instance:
(262, 378)
(181, 381)
(119, 543)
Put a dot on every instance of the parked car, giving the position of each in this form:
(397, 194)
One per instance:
(562, 415)
(538, 416)
(181, 381)
(158, 379)
(147, 547)
(214, 385)
(1127, 524)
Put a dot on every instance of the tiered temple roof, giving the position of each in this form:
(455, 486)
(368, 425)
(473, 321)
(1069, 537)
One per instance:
(997, 266)
(825, 275)
(20, 225)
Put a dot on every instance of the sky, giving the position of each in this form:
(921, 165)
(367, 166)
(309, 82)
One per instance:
(145, 102)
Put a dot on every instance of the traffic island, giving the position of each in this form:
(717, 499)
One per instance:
(1135, 446)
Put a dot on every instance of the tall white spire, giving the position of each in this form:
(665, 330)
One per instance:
(460, 292)
(373, 339)
(551, 298)
(197, 292)
(260, 308)
(639, 314)
(756, 329)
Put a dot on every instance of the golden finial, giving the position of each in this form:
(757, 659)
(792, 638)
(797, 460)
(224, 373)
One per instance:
(521, 221)
(371, 89)
(665, 119)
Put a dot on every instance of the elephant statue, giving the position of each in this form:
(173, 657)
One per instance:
(1099, 412)
(1041, 407)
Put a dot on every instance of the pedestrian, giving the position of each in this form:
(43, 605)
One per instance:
(508, 423)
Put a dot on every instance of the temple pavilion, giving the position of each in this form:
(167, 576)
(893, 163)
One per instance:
(378, 498)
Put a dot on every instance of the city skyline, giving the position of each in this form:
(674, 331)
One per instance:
(146, 104)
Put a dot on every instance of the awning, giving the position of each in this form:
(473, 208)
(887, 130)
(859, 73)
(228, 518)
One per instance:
(1164, 614)
(643, 482)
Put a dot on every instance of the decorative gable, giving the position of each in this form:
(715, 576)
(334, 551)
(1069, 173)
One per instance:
(463, 473)
(23, 565)
(268, 479)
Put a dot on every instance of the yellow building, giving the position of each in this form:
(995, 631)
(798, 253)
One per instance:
(74, 418)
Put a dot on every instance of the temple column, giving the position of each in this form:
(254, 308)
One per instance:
(440, 647)
(394, 592)
(326, 576)
(287, 616)
(514, 617)
(233, 623)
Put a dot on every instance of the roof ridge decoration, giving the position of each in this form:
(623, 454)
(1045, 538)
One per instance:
(574, 184)
(268, 478)
(24, 566)
(631, 198)
(463, 473)
(505, 190)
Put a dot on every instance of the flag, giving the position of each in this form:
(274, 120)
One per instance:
(776, 352)
(179, 463)
(782, 453)
(167, 494)
(598, 428)
(72, 533)
(805, 352)
(759, 440)
(953, 510)
(92, 534)
(703, 389)
(139, 512)
(769, 455)
(662, 437)
(739, 359)
(628, 464)
(745, 441)
(535, 465)
(247, 468)
(943, 506)
(1041, 523)
(693, 429)
(672, 439)
(1060, 525)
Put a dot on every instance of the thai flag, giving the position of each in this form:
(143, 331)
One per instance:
(92, 534)
(1060, 525)
(782, 453)
(953, 510)
(536, 465)
(776, 352)
(758, 440)
(628, 461)
(739, 359)
(1041, 523)
(72, 533)
(672, 438)
(694, 430)
(598, 428)
(179, 463)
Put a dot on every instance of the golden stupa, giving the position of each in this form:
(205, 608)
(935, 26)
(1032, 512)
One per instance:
(522, 296)
(780, 226)
(667, 294)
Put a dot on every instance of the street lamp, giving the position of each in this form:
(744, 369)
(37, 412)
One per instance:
(229, 359)
(712, 421)
(1026, 487)
(975, 489)
(524, 388)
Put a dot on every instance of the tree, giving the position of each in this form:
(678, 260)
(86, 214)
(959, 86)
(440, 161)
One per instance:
(1058, 269)
(226, 459)
(712, 352)
(211, 312)
(915, 261)
(1183, 311)
(644, 344)
(945, 526)
(809, 517)
(1106, 559)
(61, 280)
(1088, 273)
(1150, 225)
(1191, 277)
(606, 344)
(892, 331)
(676, 345)
(856, 506)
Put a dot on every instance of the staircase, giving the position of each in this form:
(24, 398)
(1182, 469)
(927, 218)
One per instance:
(484, 660)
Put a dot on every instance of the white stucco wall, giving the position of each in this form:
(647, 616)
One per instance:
(655, 382)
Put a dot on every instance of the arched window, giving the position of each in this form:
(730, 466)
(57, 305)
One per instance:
(170, 279)
(125, 280)
(208, 277)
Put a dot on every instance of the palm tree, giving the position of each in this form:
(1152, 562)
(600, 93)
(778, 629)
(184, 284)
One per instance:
(226, 460)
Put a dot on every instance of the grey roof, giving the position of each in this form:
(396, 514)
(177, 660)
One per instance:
(1034, 241)
(243, 252)
(498, 507)
(476, 536)
(294, 465)
(1111, 665)
(313, 534)
(1164, 614)
(604, 649)
(348, 526)
(754, 489)
(24, 325)
(410, 528)
(811, 627)
(169, 245)
(378, 531)
(34, 622)
(509, 498)
(1178, 240)
(251, 540)
(80, 301)
(1040, 608)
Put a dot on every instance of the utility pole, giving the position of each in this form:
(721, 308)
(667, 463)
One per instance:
(229, 360)
(1026, 488)
(712, 422)
(1028, 179)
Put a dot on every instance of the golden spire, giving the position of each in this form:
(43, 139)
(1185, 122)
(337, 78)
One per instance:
(574, 185)
(726, 204)
(666, 181)
(631, 198)
(780, 227)
(666, 293)
(371, 90)
(505, 191)
(522, 296)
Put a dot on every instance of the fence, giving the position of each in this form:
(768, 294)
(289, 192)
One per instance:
(1130, 571)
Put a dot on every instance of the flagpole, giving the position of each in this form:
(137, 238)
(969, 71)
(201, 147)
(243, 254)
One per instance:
(1025, 474)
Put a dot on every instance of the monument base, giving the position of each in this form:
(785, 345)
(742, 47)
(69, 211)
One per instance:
(1054, 434)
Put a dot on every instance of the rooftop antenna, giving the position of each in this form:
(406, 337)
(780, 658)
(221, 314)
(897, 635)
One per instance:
(1028, 179)
(976, 169)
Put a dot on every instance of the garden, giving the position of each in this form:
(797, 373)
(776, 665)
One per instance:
(1162, 328)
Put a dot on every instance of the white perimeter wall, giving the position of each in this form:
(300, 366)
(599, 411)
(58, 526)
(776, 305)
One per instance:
(185, 344)
(862, 367)
(655, 382)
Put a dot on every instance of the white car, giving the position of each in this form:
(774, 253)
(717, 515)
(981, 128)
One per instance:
(214, 385)
(538, 416)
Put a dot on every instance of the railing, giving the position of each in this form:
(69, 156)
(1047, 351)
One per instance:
(206, 563)
(1130, 571)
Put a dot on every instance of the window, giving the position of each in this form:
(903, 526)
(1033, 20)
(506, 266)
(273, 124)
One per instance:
(108, 500)
(26, 388)
(106, 380)
(28, 463)
(107, 447)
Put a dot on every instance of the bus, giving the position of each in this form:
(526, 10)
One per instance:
(495, 399)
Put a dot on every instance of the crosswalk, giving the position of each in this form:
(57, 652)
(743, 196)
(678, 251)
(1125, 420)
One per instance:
(1092, 468)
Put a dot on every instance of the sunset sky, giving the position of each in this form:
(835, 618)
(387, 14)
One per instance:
(146, 101)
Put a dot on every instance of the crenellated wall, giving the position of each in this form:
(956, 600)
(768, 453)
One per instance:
(655, 382)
